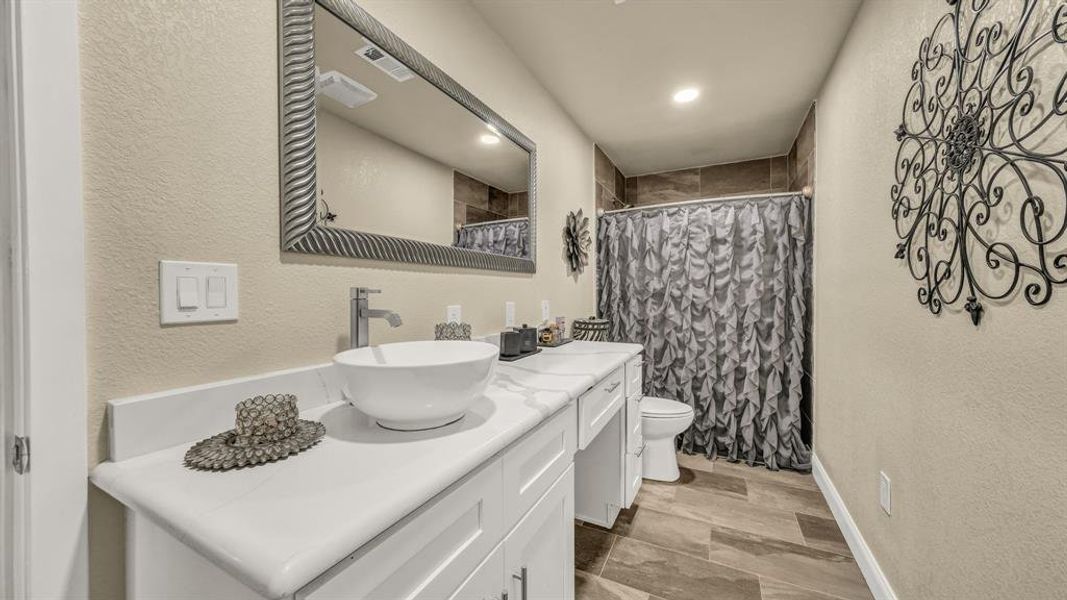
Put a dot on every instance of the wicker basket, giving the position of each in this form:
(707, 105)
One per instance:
(590, 330)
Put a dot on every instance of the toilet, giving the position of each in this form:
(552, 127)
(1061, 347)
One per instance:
(661, 420)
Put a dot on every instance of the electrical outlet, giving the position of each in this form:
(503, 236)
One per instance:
(546, 310)
(454, 313)
(509, 314)
(884, 489)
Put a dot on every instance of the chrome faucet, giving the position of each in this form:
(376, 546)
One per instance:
(360, 313)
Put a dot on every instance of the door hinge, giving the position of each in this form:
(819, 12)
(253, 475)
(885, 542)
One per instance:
(20, 456)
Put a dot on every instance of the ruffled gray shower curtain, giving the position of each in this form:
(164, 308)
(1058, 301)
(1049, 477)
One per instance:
(718, 295)
(506, 238)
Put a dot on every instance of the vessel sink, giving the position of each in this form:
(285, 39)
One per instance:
(413, 386)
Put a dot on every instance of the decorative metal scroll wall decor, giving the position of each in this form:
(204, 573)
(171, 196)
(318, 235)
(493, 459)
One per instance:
(980, 199)
(301, 228)
(577, 240)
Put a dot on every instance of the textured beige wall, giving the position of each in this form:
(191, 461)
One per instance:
(374, 184)
(181, 162)
(969, 423)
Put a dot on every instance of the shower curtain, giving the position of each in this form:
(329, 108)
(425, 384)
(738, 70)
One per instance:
(717, 293)
(507, 238)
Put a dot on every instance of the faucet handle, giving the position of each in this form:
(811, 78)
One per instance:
(362, 292)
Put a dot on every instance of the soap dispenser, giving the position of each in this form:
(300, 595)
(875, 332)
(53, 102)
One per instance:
(528, 338)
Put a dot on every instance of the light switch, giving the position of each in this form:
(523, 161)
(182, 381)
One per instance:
(196, 292)
(188, 293)
(216, 291)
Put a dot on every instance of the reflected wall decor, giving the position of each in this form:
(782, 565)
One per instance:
(980, 193)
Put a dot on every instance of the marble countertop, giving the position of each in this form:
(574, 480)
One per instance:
(277, 526)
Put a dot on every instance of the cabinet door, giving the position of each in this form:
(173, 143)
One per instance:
(486, 582)
(539, 552)
(634, 471)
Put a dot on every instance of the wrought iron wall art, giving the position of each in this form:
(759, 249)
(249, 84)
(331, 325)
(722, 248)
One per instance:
(980, 199)
(577, 239)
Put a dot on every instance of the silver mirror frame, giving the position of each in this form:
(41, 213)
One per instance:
(300, 228)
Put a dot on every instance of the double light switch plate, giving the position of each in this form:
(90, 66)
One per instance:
(196, 292)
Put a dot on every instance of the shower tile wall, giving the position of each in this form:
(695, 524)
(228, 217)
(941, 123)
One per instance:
(759, 176)
(801, 171)
(789, 172)
(609, 180)
(477, 202)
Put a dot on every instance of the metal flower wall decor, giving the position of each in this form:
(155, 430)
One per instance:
(577, 239)
(980, 199)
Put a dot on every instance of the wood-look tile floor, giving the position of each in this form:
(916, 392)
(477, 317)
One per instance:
(723, 530)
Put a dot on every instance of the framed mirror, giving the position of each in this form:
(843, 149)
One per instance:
(386, 157)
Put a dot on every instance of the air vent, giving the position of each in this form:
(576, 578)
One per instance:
(391, 66)
(344, 89)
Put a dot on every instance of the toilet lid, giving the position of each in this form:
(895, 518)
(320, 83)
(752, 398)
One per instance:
(662, 407)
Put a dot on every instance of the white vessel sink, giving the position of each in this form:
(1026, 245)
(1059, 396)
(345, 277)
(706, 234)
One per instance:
(412, 386)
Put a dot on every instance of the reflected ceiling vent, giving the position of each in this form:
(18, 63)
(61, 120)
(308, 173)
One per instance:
(392, 67)
(344, 89)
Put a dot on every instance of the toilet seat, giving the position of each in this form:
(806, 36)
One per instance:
(662, 408)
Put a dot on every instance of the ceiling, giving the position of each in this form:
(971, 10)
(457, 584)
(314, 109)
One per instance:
(414, 113)
(614, 68)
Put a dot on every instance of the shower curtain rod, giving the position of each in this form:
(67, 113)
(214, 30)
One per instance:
(806, 193)
(492, 222)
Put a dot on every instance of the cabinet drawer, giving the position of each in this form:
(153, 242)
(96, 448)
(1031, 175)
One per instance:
(634, 437)
(634, 376)
(534, 463)
(430, 552)
(597, 406)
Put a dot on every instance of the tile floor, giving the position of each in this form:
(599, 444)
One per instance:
(725, 531)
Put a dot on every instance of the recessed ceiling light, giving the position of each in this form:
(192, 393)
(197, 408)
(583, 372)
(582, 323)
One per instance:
(490, 139)
(492, 128)
(686, 95)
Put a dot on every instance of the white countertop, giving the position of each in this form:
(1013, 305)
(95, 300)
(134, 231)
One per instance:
(278, 526)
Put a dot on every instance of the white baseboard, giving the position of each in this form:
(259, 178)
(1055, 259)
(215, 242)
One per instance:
(876, 579)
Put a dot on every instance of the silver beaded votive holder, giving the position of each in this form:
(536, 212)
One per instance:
(267, 428)
(452, 331)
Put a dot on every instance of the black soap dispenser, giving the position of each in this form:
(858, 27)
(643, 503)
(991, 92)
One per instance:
(527, 338)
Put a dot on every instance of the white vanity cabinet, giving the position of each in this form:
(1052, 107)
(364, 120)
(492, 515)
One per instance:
(635, 440)
(608, 466)
(521, 502)
(497, 495)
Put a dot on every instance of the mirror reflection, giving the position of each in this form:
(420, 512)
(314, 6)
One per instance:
(397, 156)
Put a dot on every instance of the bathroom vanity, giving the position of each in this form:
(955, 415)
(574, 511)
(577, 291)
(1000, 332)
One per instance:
(482, 508)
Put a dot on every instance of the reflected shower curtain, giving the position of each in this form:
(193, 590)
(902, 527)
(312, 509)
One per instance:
(717, 294)
(506, 238)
